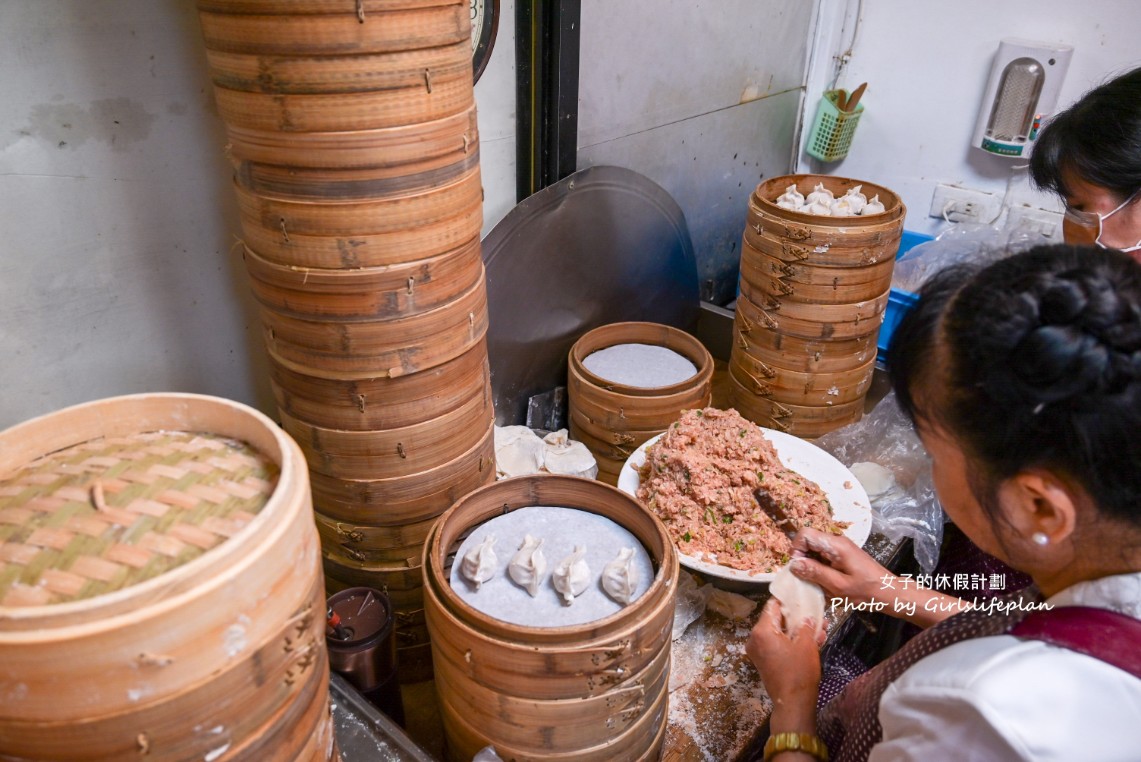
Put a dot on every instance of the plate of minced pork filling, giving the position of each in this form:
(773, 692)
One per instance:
(700, 476)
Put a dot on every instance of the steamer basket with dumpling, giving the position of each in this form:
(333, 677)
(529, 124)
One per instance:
(161, 594)
(813, 294)
(596, 690)
(612, 416)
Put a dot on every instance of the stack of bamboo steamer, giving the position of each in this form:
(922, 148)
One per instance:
(592, 692)
(613, 419)
(813, 294)
(161, 594)
(352, 131)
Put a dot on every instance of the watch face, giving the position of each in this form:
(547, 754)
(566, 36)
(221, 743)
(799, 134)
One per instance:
(484, 21)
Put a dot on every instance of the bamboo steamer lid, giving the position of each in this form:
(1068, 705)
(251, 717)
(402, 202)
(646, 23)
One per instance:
(334, 33)
(387, 348)
(381, 403)
(409, 497)
(447, 139)
(351, 218)
(339, 74)
(373, 293)
(588, 692)
(163, 544)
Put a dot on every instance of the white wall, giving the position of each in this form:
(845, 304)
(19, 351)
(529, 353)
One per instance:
(117, 218)
(927, 64)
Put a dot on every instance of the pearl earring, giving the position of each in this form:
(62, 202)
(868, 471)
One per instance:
(1040, 538)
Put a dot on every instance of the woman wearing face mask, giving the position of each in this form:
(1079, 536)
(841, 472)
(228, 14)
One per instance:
(1090, 155)
(1024, 383)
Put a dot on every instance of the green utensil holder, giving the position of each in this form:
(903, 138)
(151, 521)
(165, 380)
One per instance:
(832, 129)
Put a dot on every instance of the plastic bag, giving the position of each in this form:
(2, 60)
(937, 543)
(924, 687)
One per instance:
(903, 501)
(691, 602)
(962, 243)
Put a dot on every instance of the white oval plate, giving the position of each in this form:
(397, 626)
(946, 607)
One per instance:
(849, 500)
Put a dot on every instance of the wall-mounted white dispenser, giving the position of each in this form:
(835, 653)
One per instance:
(1021, 92)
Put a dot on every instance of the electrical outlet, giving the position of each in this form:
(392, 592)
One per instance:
(1043, 221)
(957, 204)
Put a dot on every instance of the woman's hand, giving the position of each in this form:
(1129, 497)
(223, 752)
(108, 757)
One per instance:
(789, 666)
(846, 571)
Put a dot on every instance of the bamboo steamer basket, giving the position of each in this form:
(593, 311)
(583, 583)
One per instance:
(328, 218)
(333, 33)
(750, 315)
(410, 497)
(807, 421)
(386, 453)
(327, 112)
(134, 643)
(812, 388)
(446, 140)
(401, 580)
(274, 243)
(369, 543)
(799, 273)
(558, 692)
(363, 404)
(388, 348)
(356, 183)
(805, 356)
(612, 419)
(339, 74)
(773, 277)
(374, 293)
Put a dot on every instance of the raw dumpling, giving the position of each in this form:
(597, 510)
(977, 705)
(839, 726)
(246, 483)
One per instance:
(572, 575)
(799, 600)
(479, 563)
(874, 478)
(875, 206)
(819, 194)
(856, 200)
(841, 207)
(620, 577)
(791, 198)
(820, 208)
(730, 605)
(529, 565)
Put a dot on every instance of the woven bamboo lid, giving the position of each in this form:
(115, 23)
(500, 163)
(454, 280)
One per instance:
(112, 512)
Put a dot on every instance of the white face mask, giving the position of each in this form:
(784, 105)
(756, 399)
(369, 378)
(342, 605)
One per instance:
(1095, 221)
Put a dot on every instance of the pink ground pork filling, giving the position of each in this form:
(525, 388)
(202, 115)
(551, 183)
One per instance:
(699, 478)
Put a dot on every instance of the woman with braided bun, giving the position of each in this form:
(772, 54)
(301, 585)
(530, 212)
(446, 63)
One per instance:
(1023, 380)
(1090, 155)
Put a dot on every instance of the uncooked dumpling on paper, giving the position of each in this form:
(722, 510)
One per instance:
(518, 451)
(572, 575)
(479, 564)
(529, 565)
(562, 455)
(799, 600)
(620, 577)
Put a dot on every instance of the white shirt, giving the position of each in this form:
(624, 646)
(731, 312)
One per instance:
(1000, 698)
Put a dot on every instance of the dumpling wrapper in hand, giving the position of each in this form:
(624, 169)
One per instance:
(479, 564)
(799, 600)
(572, 575)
